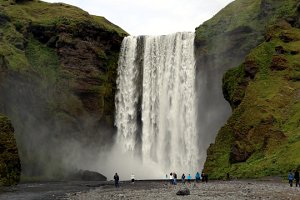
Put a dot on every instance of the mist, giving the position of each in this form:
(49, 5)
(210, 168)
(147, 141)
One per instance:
(52, 142)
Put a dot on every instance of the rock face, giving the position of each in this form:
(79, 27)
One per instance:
(10, 167)
(261, 138)
(58, 66)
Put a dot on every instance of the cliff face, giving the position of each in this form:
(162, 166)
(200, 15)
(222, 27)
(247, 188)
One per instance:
(58, 71)
(10, 167)
(261, 138)
(222, 43)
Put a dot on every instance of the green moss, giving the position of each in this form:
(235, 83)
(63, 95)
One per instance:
(44, 61)
(244, 13)
(108, 25)
(266, 122)
(43, 13)
(231, 80)
(9, 159)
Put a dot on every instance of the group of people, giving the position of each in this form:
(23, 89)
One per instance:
(198, 178)
(293, 176)
(204, 177)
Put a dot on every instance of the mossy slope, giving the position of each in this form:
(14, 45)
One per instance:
(10, 167)
(222, 43)
(261, 138)
(58, 69)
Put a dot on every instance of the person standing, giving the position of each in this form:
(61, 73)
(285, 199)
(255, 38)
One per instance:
(132, 178)
(197, 177)
(117, 178)
(189, 178)
(203, 176)
(171, 178)
(183, 179)
(206, 177)
(297, 178)
(175, 178)
(291, 178)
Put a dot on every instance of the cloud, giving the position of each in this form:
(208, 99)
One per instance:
(152, 17)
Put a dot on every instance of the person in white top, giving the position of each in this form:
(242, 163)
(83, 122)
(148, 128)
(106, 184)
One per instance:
(171, 179)
(132, 178)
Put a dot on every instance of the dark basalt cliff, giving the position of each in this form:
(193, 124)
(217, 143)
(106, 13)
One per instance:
(261, 138)
(58, 68)
(10, 167)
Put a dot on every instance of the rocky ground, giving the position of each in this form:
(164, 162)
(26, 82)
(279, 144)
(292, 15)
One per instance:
(213, 190)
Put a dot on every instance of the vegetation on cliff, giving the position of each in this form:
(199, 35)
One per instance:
(261, 138)
(10, 167)
(58, 78)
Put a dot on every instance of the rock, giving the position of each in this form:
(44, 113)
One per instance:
(251, 68)
(286, 38)
(184, 191)
(239, 153)
(279, 63)
(280, 50)
(10, 167)
(87, 175)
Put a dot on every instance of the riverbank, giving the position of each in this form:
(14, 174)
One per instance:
(149, 190)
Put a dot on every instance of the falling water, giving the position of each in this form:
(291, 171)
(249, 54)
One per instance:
(156, 101)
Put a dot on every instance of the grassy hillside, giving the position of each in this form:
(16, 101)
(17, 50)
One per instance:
(222, 43)
(239, 27)
(262, 137)
(58, 68)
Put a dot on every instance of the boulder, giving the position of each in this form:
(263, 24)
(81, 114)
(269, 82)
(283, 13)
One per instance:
(86, 175)
(183, 191)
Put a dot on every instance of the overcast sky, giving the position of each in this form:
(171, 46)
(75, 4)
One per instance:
(152, 17)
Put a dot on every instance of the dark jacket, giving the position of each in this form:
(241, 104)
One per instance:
(116, 177)
(297, 175)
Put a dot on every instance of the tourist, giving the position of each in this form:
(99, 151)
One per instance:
(189, 178)
(183, 178)
(203, 176)
(206, 177)
(175, 178)
(197, 177)
(297, 178)
(291, 178)
(116, 177)
(171, 178)
(132, 178)
(227, 176)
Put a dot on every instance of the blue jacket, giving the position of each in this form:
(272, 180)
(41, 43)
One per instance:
(290, 176)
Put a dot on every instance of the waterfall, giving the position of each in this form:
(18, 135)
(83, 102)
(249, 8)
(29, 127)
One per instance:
(156, 101)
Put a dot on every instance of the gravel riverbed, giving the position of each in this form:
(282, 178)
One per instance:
(224, 190)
